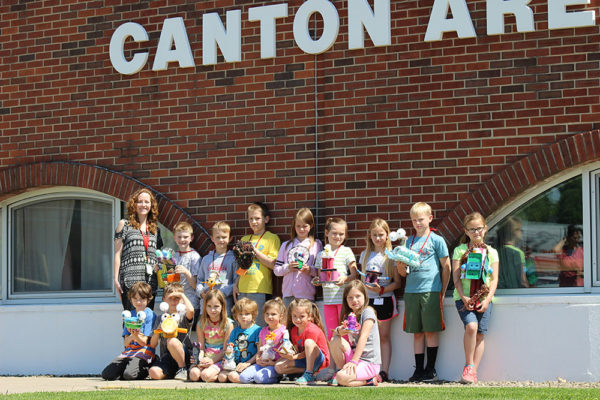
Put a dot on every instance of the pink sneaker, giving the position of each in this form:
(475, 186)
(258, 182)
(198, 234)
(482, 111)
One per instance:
(468, 376)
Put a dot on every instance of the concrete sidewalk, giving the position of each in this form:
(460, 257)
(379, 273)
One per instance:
(30, 384)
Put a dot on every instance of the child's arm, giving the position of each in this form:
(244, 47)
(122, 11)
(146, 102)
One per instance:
(200, 287)
(189, 308)
(365, 330)
(353, 274)
(180, 269)
(458, 283)
(117, 260)
(493, 285)
(264, 259)
(445, 264)
(135, 335)
(227, 290)
(282, 266)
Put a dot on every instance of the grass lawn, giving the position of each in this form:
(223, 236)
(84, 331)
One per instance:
(324, 393)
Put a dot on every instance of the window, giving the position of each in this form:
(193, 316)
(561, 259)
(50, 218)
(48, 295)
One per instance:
(540, 244)
(58, 243)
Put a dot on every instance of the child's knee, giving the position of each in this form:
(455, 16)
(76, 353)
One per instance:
(344, 378)
(309, 344)
(222, 378)
(156, 373)
(471, 328)
(195, 374)
(280, 367)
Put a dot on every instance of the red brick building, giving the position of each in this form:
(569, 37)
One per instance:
(463, 123)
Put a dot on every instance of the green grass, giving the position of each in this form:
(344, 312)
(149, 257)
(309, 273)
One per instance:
(324, 393)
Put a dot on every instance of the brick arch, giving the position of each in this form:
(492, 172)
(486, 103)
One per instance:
(18, 178)
(549, 160)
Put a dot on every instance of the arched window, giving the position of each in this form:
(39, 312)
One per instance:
(58, 243)
(544, 239)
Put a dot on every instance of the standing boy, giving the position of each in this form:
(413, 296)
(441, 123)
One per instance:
(424, 293)
(256, 282)
(187, 261)
(220, 264)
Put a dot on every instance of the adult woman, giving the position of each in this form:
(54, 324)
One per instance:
(135, 246)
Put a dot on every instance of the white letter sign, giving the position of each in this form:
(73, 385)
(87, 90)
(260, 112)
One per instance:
(267, 15)
(229, 41)
(173, 33)
(377, 23)
(331, 26)
(117, 43)
(460, 22)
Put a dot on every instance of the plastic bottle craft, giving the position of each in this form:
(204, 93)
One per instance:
(300, 254)
(351, 324)
(244, 254)
(169, 326)
(197, 353)
(401, 253)
(166, 260)
(133, 322)
(372, 276)
(213, 280)
(286, 346)
(267, 350)
(328, 275)
(228, 360)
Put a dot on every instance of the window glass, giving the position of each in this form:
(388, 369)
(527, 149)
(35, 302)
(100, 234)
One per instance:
(540, 244)
(61, 245)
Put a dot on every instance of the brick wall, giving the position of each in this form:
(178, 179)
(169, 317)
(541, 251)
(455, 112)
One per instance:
(354, 133)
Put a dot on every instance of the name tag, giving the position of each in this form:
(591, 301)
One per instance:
(378, 301)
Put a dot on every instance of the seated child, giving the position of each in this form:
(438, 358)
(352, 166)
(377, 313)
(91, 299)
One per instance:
(133, 362)
(308, 335)
(264, 369)
(244, 338)
(213, 330)
(174, 351)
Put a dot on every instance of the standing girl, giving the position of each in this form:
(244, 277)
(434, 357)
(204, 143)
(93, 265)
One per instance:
(336, 232)
(381, 291)
(296, 258)
(135, 246)
(213, 331)
(308, 336)
(264, 369)
(360, 359)
(475, 274)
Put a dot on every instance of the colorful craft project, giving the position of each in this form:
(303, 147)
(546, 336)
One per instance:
(133, 322)
(351, 324)
(228, 360)
(169, 326)
(267, 350)
(166, 273)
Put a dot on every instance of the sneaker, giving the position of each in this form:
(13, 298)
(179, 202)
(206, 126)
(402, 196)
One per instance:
(468, 376)
(305, 379)
(417, 376)
(182, 374)
(430, 375)
(332, 381)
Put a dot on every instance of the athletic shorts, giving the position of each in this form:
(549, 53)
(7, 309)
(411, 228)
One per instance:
(423, 312)
(364, 370)
(387, 310)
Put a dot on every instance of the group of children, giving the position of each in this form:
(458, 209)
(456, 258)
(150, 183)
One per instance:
(269, 338)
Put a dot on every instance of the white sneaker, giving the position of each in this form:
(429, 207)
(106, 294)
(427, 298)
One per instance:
(182, 374)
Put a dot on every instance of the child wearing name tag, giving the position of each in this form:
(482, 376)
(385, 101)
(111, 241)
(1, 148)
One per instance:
(341, 261)
(424, 292)
(475, 274)
(381, 279)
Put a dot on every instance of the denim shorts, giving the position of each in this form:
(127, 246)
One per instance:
(301, 362)
(467, 317)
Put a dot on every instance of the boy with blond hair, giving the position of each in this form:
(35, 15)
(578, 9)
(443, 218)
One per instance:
(220, 264)
(245, 338)
(425, 290)
(256, 282)
(187, 261)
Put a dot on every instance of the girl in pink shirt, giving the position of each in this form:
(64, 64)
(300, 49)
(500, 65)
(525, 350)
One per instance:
(296, 259)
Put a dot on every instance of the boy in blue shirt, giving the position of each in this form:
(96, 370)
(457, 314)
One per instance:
(424, 292)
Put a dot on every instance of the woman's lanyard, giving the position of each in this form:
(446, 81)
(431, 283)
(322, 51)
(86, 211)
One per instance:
(413, 240)
(146, 241)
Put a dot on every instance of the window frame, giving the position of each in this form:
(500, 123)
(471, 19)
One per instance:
(591, 284)
(40, 195)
